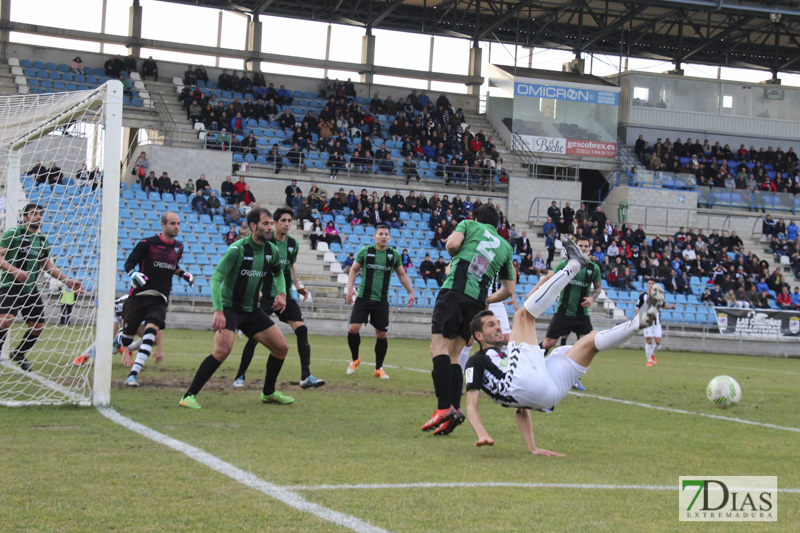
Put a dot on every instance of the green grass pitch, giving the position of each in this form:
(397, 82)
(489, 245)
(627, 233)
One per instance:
(70, 469)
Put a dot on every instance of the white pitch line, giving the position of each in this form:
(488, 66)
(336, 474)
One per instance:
(626, 402)
(580, 486)
(70, 394)
(241, 476)
(681, 411)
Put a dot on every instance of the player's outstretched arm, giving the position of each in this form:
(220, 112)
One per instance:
(403, 277)
(523, 417)
(54, 271)
(474, 417)
(351, 282)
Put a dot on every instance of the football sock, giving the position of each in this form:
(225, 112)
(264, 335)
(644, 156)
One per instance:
(381, 346)
(463, 357)
(442, 379)
(3, 335)
(304, 350)
(547, 293)
(126, 340)
(24, 346)
(274, 366)
(354, 341)
(247, 357)
(611, 338)
(563, 341)
(455, 386)
(648, 351)
(656, 347)
(148, 339)
(204, 373)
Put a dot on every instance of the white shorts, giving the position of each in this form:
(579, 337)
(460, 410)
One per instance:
(539, 382)
(499, 310)
(653, 331)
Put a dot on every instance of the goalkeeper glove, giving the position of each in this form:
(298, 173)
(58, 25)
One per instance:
(138, 279)
(189, 278)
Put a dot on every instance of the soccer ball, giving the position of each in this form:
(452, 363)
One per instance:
(724, 391)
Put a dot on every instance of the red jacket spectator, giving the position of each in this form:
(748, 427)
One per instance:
(239, 186)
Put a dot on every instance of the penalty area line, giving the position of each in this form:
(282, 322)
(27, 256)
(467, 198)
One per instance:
(248, 479)
(579, 486)
(683, 412)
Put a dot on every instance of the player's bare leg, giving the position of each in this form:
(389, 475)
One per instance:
(275, 342)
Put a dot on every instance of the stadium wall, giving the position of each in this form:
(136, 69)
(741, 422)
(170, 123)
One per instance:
(184, 163)
(529, 198)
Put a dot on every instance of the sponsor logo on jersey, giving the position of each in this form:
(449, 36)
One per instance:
(379, 267)
(161, 264)
(251, 273)
(248, 258)
(469, 374)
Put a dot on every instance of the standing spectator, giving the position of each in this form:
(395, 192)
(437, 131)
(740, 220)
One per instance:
(149, 68)
(290, 191)
(67, 302)
(410, 169)
(141, 166)
(276, 158)
(550, 244)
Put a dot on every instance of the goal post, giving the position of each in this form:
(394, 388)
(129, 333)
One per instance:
(62, 152)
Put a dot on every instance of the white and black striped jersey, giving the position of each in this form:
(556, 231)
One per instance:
(643, 301)
(490, 370)
(119, 304)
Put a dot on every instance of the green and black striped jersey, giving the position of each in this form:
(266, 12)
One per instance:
(376, 271)
(238, 277)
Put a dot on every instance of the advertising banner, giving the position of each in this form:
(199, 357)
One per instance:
(560, 145)
(758, 322)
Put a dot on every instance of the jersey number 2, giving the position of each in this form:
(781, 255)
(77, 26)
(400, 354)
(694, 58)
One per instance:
(485, 247)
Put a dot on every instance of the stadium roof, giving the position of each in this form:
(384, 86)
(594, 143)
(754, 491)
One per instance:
(761, 34)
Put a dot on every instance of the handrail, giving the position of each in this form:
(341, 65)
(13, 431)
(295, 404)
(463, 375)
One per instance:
(166, 121)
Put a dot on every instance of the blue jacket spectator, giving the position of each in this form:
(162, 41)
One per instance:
(199, 204)
(791, 231)
(239, 124)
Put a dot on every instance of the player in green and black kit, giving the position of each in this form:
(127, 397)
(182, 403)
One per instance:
(478, 254)
(235, 287)
(24, 252)
(572, 309)
(372, 303)
(287, 247)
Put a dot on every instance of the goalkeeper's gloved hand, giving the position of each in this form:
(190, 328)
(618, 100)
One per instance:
(189, 278)
(138, 279)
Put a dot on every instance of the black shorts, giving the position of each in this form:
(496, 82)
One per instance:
(290, 313)
(561, 325)
(147, 309)
(251, 323)
(452, 314)
(376, 313)
(28, 304)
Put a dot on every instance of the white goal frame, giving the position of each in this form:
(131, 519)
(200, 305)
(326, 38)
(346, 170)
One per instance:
(112, 94)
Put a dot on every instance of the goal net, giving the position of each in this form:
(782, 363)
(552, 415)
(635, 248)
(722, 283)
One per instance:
(61, 153)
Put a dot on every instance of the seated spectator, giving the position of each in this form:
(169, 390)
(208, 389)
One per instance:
(202, 184)
(150, 183)
(232, 235)
(796, 299)
(332, 234)
(199, 203)
(426, 268)
(348, 263)
(189, 77)
(247, 198)
(164, 183)
(150, 68)
(239, 125)
(305, 211)
(227, 191)
(784, 298)
(77, 65)
(177, 188)
(386, 165)
(439, 239)
(189, 189)
(440, 270)
(317, 233)
(625, 280)
(130, 64)
(539, 266)
(244, 230)
(295, 156)
(213, 204)
(239, 186)
(249, 144)
(233, 215)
